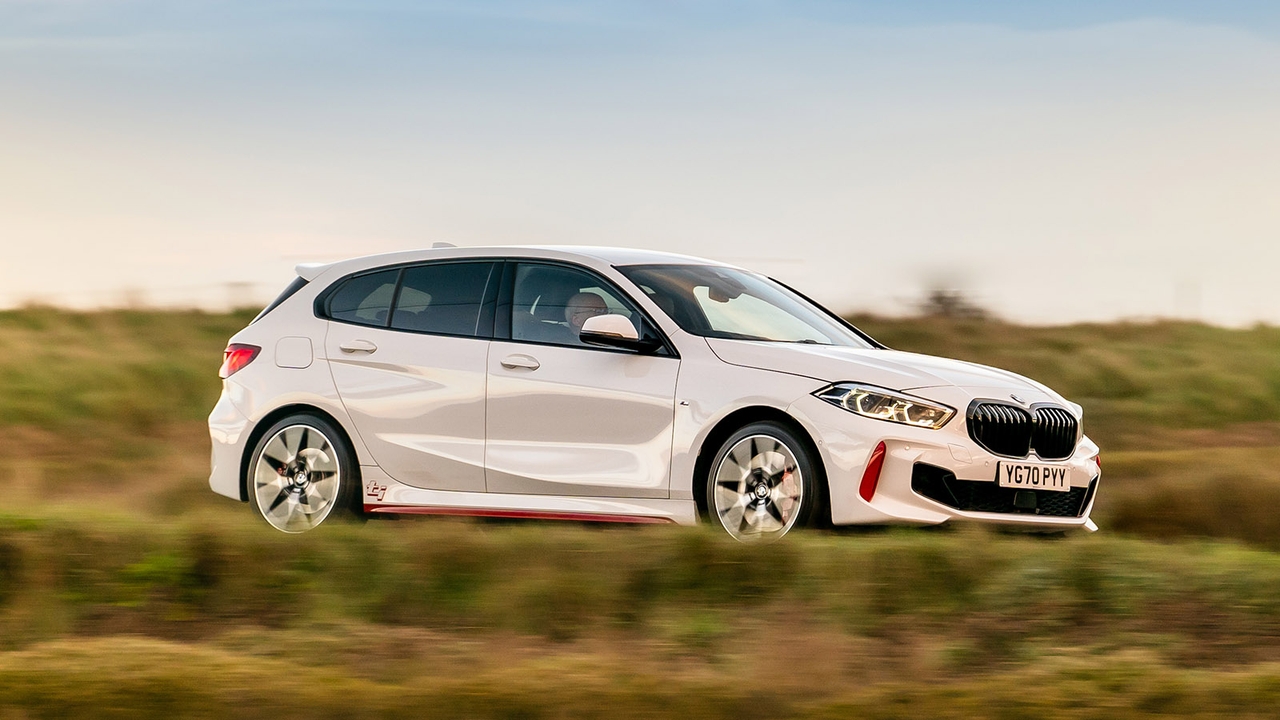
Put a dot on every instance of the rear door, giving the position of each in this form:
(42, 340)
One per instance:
(408, 349)
(566, 418)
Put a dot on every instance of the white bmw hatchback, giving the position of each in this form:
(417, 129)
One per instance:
(624, 386)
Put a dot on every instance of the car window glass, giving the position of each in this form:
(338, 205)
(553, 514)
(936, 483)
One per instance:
(550, 303)
(442, 298)
(365, 299)
(752, 314)
(724, 302)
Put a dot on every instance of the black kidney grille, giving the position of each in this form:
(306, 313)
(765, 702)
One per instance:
(1011, 431)
(1056, 433)
(1001, 429)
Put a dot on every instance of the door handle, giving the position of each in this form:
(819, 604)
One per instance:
(522, 362)
(355, 346)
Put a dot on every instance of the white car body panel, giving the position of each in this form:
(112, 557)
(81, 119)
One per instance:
(418, 402)
(438, 425)
(709, 391)
(584, 422)
(273, 384)
(887, 368)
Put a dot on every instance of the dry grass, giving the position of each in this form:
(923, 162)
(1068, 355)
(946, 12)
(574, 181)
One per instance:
(134, 677)
(103, 575)
(128, 590)
(112, 618)
(108, 408)
(1206, 491)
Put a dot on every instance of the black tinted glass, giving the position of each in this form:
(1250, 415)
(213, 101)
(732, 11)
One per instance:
(550, 303)
(365, 299)
(442, 298)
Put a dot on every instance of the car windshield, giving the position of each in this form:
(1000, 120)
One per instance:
(723, 302)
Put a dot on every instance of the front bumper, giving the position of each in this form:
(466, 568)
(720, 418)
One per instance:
(845, 442)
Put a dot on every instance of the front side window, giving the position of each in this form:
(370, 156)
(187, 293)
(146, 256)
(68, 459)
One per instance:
(442, 298)
(551, 302)
(365, 299)
(724, 302)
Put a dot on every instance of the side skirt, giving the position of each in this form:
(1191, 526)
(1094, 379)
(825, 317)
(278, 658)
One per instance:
(520, 514)
(384, 495)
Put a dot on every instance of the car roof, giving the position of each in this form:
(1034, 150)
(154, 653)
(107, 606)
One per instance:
(627, 256)
(582, 253)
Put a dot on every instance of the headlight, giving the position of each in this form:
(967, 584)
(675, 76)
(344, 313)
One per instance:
(880, 404)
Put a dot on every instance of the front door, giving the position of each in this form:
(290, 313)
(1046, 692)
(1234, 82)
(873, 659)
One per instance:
(566, 418)
(408, 350)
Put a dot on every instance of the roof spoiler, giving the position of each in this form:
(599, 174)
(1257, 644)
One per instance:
(310, 271)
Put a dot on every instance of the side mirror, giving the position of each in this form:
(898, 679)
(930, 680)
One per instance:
(613, 331)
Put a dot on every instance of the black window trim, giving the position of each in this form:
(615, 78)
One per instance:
(502, 327)
(289, 291)
(487, 303)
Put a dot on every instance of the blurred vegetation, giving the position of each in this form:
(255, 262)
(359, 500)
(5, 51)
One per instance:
(128, 589)
(134, 374)
(127, 372)
(110, 406)
(217, 616)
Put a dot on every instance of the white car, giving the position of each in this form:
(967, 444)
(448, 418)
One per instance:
(620, 386)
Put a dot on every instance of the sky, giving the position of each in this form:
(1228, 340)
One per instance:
(1055, 162)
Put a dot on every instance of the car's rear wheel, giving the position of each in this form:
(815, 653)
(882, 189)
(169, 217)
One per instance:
(763, 483)
(302, 473)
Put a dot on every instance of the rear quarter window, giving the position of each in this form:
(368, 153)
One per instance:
(365, 299)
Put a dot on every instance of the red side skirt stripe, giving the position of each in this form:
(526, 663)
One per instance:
(519, 514)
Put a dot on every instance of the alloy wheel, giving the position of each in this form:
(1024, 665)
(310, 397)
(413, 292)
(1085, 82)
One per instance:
(758, 489)
(297, 478)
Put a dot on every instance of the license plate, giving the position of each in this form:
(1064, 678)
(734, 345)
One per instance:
(1032, 476)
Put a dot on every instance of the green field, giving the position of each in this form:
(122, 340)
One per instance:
(127, 589)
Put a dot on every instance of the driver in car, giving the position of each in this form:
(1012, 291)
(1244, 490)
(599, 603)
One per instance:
(582, 306)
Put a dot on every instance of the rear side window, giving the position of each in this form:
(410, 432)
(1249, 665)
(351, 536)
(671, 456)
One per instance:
(365, 299)
(443, 298)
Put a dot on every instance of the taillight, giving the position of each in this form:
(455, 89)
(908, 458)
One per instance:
(235, 357)
(1098, 459)
(871, 476)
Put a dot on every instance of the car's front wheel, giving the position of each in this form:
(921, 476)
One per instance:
(763, 482)
(302, 472)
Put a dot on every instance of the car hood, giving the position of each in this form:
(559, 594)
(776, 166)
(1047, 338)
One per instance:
(886, 368)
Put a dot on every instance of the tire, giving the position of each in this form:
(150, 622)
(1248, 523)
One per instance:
(764, 482)
(302, 473)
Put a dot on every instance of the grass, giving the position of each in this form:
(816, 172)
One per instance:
(131, 677)
(563, 584)
(135, 374)
(448, 619)
(127, 589)
(108, 407)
